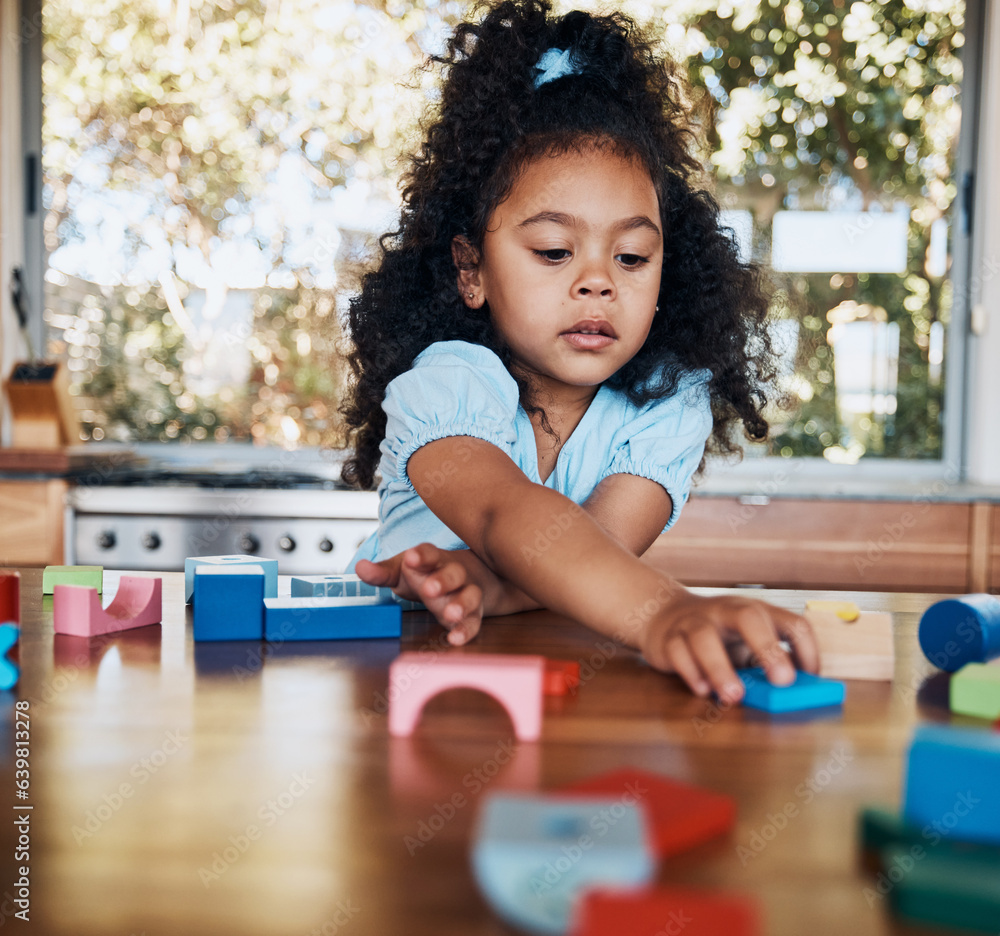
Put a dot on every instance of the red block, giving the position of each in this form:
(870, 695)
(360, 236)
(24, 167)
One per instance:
(560, 676)
(680, 816)
(665, 910)
(10, 597)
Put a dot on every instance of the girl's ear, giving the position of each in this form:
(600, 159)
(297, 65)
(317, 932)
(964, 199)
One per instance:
(466, 260)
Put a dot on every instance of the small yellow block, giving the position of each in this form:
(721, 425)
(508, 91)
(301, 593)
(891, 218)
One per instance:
(845, 610)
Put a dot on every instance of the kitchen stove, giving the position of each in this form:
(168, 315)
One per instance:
(153, 516)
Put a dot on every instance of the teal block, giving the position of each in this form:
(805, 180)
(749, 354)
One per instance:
(953, 782)
(88, 576)
(9, 672)
(268, 566)
(806, 692)
(975, 690)
(229, 602)
(331, 618)
(346, 585)
(879, 829)
(533, 855)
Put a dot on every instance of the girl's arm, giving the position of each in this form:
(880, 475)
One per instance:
(584, 573)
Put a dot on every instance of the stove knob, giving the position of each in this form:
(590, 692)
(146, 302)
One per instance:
(286, 543)
(106, 539)
(249, 543)
(325, 545)
(151, 540)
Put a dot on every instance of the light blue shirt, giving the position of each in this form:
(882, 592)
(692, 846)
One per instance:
(459, 388)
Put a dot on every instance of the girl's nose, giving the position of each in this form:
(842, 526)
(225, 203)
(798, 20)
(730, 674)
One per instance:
(595, 280)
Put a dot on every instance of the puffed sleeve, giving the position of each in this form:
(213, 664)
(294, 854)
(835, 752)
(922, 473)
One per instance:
(453, 388)
(665, 440)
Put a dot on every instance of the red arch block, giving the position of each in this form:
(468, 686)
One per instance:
(515, 681)
(77, 610)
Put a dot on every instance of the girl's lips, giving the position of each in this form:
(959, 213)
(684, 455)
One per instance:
(587, 342)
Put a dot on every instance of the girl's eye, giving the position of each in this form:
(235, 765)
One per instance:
(544, 254)
(633, 260)
(630, 260)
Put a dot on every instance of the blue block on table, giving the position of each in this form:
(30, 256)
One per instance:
(533, 855)
(953, 782)
(229, 602)
(269, 566)
(806, 692)
(346, 585)
(8, 668)
(331, 618)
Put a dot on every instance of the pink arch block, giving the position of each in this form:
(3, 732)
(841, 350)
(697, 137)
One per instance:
(515, 681)
(77, 610)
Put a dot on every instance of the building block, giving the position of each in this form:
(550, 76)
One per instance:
(561, 676)
(269, 567)
(10, 597)
(87, 576)
(346, 585)
(807, 692)
(962, 630)
(951, 780)
(679, 816)
(76, 609)
(661, 910)
(946, 890)
(515, 681)
(975, 690)
(882, 829)
(331, 618)
(857, 648)
(533, 855)
(8, 668)
(229, 602)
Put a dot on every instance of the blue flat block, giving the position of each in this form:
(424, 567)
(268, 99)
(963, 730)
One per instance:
(229, 602)
(953, 782)
(533, 855)
(269, 567)
(346, 585)
(331, 619)
(807, 692)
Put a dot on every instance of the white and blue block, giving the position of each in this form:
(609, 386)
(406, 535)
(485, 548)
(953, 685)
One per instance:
(229, 602)
(346, 585)
(269, 566)
(533, 855)
(953, 782)
(807, 692)
(312, 618)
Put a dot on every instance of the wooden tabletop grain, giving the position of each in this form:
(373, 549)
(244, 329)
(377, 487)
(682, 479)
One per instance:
(241, 789)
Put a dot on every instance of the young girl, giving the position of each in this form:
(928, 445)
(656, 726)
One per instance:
(552, 336)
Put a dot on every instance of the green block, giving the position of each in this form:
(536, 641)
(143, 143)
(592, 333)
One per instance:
(91, 576)
(975, 690)
(881, 829)
(946, 890)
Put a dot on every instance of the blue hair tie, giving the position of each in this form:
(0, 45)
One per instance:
(555, 63)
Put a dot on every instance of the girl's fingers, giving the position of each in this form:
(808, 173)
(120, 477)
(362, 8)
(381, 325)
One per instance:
(685, 666)
(378, 573)
(800, 634)
(463, 615)
(709, 653)
(755, 625)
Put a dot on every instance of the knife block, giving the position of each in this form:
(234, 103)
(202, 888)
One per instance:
(42, 411)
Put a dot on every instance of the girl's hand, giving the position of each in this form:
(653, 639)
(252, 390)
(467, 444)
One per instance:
(434, 576)
(689, 638)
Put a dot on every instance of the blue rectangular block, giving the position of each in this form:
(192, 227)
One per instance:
(269, 567)
(229, 602)
(953, 782)
(806, 692)
(346, 585)
(330, 618)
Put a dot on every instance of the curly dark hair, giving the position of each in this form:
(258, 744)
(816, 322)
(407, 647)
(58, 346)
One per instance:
(491, 123)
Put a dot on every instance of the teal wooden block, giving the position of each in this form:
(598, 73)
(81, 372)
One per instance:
(229, 602)
(533, 855)
(9, 672)
(975, 690)
(879, 829)
(952, 782)
(331, 618)
(268, 566)
(88, 576)
(346, 585)
(807, 692)
(945, 889)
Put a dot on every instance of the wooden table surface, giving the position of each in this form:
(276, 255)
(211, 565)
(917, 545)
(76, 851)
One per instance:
(248, 789)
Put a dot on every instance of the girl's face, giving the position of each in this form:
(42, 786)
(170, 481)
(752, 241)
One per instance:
(576, 247)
